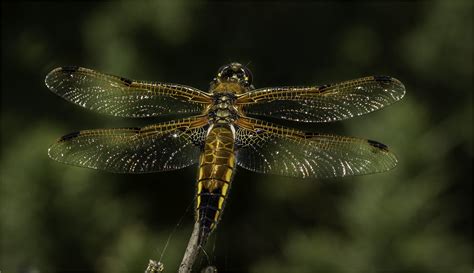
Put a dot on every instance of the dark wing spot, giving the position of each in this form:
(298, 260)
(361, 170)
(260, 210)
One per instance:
(126, 81)
(322, 87)
(70, 68)
(70, 136)
(383, 78)
(377, 145)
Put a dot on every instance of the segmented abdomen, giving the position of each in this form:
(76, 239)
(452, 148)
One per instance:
(216, 166)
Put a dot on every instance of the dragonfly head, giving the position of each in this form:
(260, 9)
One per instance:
(233, 73)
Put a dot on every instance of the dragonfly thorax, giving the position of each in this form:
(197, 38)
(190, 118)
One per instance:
(223, 109)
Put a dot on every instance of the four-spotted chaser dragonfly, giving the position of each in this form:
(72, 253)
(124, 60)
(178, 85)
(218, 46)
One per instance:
(221, 129)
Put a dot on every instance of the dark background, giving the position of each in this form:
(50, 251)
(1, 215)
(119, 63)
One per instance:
(415, 218)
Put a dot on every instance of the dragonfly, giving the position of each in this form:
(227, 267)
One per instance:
(222, 128)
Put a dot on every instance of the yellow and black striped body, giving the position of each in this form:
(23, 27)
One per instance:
(216, 166)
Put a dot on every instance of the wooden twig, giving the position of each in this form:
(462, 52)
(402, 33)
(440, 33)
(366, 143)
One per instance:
(190, 255)
(191, 252)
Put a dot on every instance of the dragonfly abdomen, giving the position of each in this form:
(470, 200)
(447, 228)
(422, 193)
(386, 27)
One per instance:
(216, 166)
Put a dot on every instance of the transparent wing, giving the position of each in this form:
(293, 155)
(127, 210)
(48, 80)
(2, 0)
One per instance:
(118, 96)
(324, 103)
(162, 147)
(270, 149)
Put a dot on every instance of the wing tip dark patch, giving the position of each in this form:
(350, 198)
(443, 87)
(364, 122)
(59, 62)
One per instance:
(53, 74)
(69, 136)
(382, 78)
(394, 84)
(126, 81)
(377, 145)
(70, 68)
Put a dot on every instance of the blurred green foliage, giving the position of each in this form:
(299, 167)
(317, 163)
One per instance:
(416, 218)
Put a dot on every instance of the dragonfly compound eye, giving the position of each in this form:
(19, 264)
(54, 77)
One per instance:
(233, 71)
(248, 75)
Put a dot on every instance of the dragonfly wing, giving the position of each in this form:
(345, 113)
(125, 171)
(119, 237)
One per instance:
(324, 103)
(119, 96)
(161, 147)
(265, 148)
